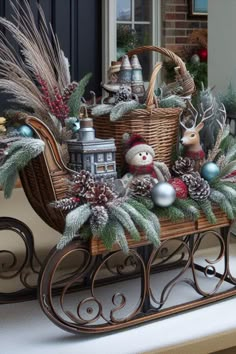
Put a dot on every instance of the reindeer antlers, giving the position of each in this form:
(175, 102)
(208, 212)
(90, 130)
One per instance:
(223, 116)
(194, 114)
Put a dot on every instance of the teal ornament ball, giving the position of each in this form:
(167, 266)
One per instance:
(163, 194)
(209, 171)
(76, 127)
(25, 131)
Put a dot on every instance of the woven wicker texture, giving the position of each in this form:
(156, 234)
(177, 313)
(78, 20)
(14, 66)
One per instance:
(158, 126)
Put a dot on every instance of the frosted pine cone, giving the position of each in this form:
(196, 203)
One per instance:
(81, 183)
(124, 94)
(183, 166)
(98, 219)
(198, 187)
(66, 203)
(141, 187)
(100, 194)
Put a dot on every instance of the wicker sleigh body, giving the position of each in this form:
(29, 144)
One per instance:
(44, 180)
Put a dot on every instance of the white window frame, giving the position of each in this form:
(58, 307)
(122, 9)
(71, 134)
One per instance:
(109, 37)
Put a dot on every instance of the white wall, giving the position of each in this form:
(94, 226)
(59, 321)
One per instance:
(222, 43)
(18, 207)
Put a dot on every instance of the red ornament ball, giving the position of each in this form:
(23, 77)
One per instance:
(180, 188)
(203, 54)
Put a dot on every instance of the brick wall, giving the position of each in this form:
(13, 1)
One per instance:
(177, 25)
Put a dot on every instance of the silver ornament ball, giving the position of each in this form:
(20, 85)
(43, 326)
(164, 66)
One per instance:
(209, 171)
(25, 131)
(163, 194)
(195, 59)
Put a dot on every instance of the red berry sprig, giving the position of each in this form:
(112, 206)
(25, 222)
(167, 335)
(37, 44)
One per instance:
(56, 106)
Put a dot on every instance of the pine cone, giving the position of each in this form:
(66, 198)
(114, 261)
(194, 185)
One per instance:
(141, 187)
(82, 183)
(198, 187)
(99, 218)
(66, 203)
(183, 166)
(100, 194)
(124, 94)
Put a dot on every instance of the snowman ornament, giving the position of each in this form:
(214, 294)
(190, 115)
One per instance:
(139, 157)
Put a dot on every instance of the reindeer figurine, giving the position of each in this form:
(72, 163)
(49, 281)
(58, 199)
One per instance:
(191, 138)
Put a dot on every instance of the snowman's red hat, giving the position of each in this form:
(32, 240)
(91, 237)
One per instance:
(136, 144)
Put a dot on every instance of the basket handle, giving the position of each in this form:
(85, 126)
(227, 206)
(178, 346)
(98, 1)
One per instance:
(151, 87)
(182, 75)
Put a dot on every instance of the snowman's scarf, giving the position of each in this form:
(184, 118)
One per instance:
(143, 170)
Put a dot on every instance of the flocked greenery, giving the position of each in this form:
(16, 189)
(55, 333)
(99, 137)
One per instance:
(117, 111)
(17, 156)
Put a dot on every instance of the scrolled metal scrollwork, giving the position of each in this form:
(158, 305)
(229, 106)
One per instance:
(14, 268)
(185, 258)
(209, 270)
(95, 308)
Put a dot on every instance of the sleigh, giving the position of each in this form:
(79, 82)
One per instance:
(107, 290)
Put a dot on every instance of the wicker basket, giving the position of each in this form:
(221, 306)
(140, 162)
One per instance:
(159, 126)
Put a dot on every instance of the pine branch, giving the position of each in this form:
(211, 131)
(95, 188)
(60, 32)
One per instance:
(188, 207)
(172, 102)
(143, 223)
(230, 154)
(74, 102)
(223, 203)
(109, 234)
(121, 108)
(228, 192)
(146, 213)
(101, 110)
(74, 220)
(172, 213)
(227, 142)
(227, 169)
(147, 202)
(18, 155)
(121, 237)
(123, 217)
(206, 207)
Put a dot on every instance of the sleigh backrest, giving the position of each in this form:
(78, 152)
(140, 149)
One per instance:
(44, 179)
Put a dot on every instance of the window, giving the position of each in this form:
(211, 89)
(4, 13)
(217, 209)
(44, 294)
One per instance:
(109, 156)
(128, 24)
(100, 157)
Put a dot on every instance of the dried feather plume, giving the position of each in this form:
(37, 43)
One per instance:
(41, 57)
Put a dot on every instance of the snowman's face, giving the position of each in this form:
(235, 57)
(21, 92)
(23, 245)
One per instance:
(141, 159)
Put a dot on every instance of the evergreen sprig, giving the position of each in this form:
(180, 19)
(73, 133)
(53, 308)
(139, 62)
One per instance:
(143, 223)
(109, 234)
(74, 220)
(206, 207)
(125, 220)
(223, 203)
(17, 157)
(121, 237)
(172, 213)
(189, 207)
(74, 102)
